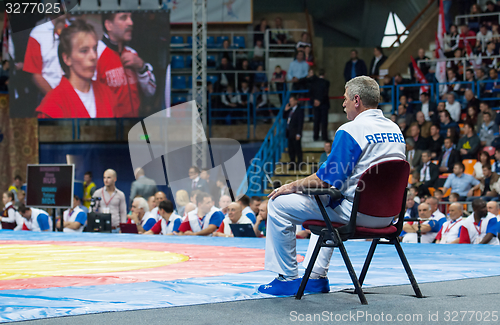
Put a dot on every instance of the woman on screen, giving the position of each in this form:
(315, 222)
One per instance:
(77, 96)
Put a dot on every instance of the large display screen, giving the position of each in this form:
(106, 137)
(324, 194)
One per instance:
(50, 186)
(109, 65)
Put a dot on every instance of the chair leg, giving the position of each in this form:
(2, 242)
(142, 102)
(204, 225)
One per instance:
(407, 267)
(354, 278)
(368, 261)
(310, 266)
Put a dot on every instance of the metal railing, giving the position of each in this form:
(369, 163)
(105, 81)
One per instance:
(464, 60)
(237, 111)
(466, 17)
(268, 155)
(251, 112)
(216, 47)
(434, 91)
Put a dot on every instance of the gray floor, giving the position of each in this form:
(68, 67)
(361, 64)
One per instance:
(445, 300)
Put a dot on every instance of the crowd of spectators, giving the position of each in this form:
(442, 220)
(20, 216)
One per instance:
(429, 221)
(242, 78)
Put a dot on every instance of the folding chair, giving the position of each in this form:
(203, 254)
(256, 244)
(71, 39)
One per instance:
(381, 192)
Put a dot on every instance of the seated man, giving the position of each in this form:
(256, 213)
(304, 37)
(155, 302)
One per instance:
(254, 205)
(246, 209)
(152, 203)
(224, 202)
(35, 219)
(429, 226)
(203, 220)
(448, 234)
(469, 144)
(480, 227)
(324, 155)
(370, 138)
(140, 216)
(429, 173)
(260, 225)
(493, 208)
(233, 216)
(74, 219)
(460, 183)
(488, 185)
(411, 206)
(487, 130)
(159, 197)
(447, 123)
(448, 157)
(433, 203)
(170, 221)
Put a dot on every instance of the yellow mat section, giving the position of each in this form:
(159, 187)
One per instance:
(32, 261)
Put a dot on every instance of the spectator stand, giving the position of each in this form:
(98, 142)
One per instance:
(459, 98)
(278, 48)
(263, 165)
(398, 93)
(268, 110)
(392, 97)
(181, 61)
(461, 18)
(244, 115)
(494, 95)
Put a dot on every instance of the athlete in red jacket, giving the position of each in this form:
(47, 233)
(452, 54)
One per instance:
(121, 68)
(77, 96)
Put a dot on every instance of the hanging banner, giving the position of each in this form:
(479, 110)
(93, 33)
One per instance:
(218, 11)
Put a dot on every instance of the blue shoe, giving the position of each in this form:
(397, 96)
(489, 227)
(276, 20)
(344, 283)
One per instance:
(320, 285)
(281, 288)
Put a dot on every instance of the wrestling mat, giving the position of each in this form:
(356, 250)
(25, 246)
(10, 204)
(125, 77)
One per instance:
(57, 274)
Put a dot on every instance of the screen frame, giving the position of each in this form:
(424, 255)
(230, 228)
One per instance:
(51, 165)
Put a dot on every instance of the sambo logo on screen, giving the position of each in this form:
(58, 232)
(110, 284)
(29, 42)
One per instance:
(163, 147)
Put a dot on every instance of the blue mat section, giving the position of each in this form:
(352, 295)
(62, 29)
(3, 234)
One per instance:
(429, 262)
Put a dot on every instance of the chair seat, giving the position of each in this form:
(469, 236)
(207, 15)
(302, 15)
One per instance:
(361, 232)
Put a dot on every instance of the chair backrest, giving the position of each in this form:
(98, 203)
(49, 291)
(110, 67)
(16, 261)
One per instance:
(239, 41)
(469, 166)
(212, 78)
(178, 82)
(382, 188)
(177, 40)
(177, 62)
(490, 150)
(178, 99)
(220, 39)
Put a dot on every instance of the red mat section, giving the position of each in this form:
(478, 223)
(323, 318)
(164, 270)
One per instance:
(203, 261)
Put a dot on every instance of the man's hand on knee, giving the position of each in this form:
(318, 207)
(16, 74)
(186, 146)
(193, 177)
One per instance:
(285, 189)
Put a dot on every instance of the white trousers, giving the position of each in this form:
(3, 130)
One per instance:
(287, 211)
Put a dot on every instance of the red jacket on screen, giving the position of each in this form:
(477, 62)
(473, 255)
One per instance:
(123, 82)
(63, 102)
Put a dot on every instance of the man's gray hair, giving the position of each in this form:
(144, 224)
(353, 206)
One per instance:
(142, 204)
(366, 88)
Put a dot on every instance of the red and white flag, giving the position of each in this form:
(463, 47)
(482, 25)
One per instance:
(420, 76)
(5, 38)
(440, 66)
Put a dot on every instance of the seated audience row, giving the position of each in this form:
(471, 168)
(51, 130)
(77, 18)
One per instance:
(430, 225)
